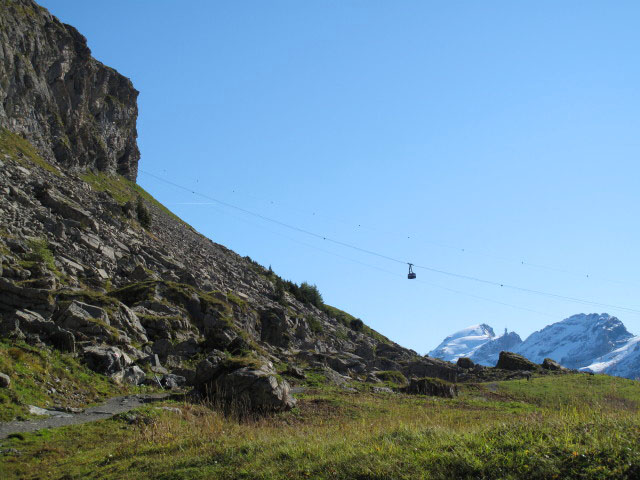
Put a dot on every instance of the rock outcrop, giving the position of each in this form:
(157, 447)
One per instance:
(513, 361)
(77, 112)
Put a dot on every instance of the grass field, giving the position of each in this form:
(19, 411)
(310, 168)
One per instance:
(574, 426)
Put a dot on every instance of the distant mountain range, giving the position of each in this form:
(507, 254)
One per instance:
(595, 342)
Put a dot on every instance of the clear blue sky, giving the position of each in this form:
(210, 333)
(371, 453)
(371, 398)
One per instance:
(507, 129)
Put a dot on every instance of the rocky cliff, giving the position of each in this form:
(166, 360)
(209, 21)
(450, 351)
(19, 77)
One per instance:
(75, 111)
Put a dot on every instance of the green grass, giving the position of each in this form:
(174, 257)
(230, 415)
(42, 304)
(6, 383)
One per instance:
(123, 190)
(393, 377)
(35, 372)
(331, 434)
(346, 319)
(22, 151)
(40, 252)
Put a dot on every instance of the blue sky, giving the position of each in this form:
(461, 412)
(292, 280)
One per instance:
(465, 136)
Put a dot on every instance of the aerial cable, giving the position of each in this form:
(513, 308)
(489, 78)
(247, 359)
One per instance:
(513, 260)
(389, 272)
(386, 257)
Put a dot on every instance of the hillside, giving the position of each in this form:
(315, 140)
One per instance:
(240, 373)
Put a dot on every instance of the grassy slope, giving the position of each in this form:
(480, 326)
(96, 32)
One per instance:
(588, 427)
(44, 377)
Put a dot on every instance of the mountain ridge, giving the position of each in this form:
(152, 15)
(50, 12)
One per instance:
(590, 342)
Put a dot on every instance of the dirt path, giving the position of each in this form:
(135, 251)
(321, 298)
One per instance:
(53, 419)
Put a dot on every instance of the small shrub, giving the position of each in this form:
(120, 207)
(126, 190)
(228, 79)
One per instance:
(280, 291)
(40, 252)
(356, 324)
(315, 325)
(311, 294)
(144, 217)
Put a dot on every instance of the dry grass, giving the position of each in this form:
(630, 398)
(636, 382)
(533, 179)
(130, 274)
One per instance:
(335, 434)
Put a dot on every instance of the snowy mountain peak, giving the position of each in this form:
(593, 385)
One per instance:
(576, 341)
(463, 342)
(597, 342)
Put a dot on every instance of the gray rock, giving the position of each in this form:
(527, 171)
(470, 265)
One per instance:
(296, 372)
(550, 364)
(162, 348)
(513, 361)
(386, 390)
(76, 111)
(86, 320)
(433, 387)
(172, 381)
(252, 389)
(134, 375)
(5, 381)
(208, 368)
(107, 360)
(464, 362)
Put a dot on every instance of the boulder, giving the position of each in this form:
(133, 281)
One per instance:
(252, 389)
(5, 381)
(162, 347)
(295, 372)
(513, 361)
(134, 375)
(208, 368)
(126, 319)
(550, 364)
(172, 381)
(433, 387)
(106, 360)
(464, 362)
(88, 321)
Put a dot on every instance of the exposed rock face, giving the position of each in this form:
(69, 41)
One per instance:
(249, 388)
(464, 362)
(549, 364)
(513, 361)
(432, 387)
(73, 109)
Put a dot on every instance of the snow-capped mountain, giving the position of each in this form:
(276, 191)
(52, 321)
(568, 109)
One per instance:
(488, 353)
(576, 341)
(623, 361)
(463, 343)
(478, 342)
(596, 342)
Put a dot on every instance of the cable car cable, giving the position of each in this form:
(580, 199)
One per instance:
(386, 257)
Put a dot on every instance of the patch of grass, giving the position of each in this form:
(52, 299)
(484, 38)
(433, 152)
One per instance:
(392, 376)
(23, 152)
(40, 252)
(240, 303)
(340, 435)
(350, 321)
(44, 377)
(124, 190)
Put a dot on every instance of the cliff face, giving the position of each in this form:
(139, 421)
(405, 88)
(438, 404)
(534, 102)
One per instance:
(77, 112)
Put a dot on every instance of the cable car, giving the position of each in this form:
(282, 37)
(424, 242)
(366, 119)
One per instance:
(411, 275)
